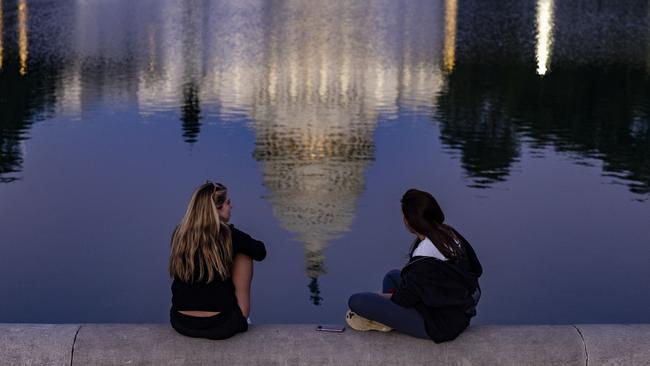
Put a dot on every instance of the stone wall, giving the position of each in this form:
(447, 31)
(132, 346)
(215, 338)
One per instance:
(159, 344)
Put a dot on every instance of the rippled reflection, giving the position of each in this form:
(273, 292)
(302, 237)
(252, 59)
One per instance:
(315, 96)
(302, 88)
(544, 35)
(316, 108)
(313, 80)
(235, 61)
(232, 61)
(494, 105)
(487, 113)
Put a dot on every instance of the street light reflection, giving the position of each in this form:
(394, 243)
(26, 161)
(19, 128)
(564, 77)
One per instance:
(544, 35)
(23, 51)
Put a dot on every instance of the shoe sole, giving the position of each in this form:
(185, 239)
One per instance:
(357, 322)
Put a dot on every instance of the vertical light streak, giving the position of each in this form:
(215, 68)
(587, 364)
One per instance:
(293, 76)
(647, 40)
(544, 35)
(449, 47)
(273, 80)
(2, 27)
(406, 67)
(344, 73)
(272, 83)
(152, 48)
(23, 51)
(380, 73)
(308, 72)
(323, 75)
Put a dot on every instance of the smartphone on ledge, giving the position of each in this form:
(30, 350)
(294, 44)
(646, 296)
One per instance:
(330, 328)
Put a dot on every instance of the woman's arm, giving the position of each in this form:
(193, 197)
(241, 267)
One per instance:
(245, 244)
(405, 297)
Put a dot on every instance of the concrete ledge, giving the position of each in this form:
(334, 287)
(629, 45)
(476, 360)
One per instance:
(302, 345)
(36, 344)
(158, 344)
(615, 345)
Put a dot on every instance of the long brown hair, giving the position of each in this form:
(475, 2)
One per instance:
(424, 215)
(202, 241)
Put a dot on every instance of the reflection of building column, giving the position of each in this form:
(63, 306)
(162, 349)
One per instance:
(23, 50)
(152, 50)
(449, 48)
(418, 62)
(161, 84)
(70, 94)
(544, 35)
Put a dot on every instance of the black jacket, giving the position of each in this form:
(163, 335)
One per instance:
(445, 293)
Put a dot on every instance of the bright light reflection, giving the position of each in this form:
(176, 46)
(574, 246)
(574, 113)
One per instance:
(449, 48)
(323, 77)
(23, 52)
(273, 80)
(544, 35)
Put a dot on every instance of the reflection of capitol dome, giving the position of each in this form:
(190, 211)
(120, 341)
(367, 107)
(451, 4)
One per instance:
(315, 88)
(314, 179)
(315, 199)
(314, 117)
(313, 139)
(314, 77)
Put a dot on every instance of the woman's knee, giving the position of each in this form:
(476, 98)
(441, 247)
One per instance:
(391, 281)
(392, 274)
(353, 301)
(358, 301)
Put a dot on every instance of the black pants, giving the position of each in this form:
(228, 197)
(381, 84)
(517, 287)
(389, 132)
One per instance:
(221, 326)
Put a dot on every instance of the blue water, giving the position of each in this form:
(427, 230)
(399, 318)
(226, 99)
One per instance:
(529, 121)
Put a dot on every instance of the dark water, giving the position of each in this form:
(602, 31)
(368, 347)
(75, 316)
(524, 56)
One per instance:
(528, 120)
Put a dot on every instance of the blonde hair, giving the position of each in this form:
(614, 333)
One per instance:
(202, 241)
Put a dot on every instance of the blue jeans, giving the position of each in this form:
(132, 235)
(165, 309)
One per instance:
(375, 307)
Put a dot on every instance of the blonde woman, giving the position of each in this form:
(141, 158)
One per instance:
(211, 263)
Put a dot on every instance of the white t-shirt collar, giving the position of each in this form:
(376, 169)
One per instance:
(426, 249)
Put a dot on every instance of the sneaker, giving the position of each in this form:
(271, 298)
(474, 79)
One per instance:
(357, 322)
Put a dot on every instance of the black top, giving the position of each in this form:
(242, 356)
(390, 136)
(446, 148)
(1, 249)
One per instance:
(218, 295)
(445, 293)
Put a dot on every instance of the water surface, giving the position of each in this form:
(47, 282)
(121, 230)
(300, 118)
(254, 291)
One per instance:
(528, 120)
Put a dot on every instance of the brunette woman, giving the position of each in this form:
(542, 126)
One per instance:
(211, 263)
(435, 294)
